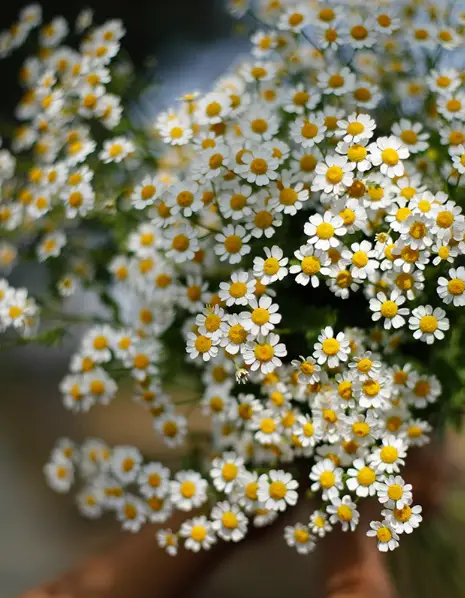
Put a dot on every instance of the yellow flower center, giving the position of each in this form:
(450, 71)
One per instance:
(327, 479)
(357, 153)
(409, 137)
(267, 425)
(331, 346)
(251, 490)
(180, 242)
(198, 533)
(229, 520)
(310, 265)
(237, 289)
(233, 244)
(212, 322)
(301, 536)
(259, 166)
(184, 199)
(334, 175)
(366, 476)
(389, 454)
(325, 230)
(371, 388)
(237, 334)
(456, 286)
(390, 156)
(264, 352)
(454, 105)
(187, 489)
(418, 230)
(271, 266)
(395, 492)
(360, 429)
(203, 344)
(260, 316)
(308, 430)
(403, 515)
(288, 196)
(445, 219)
(336, 81)
(355, 128)
(359, 32)
(259, 125)
(238, 201)
(213, 109)
(277, 490)
(215, 161)
(229, 471)
(309, 130)
(301, 98)
(344, 390)
(389, 309)
(344, 513)
(384, 534)
(360, 259)
(428, 324)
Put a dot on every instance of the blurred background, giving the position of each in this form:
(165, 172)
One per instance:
(42, 534)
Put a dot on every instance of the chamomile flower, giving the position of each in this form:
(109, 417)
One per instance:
(239, 290)
(412, 135)
(343, 511)
(232, 244)
(197, 534)
(428, 324)
(363, 480)
(263, 317)
(116, 150)
(331, 348)
(357, 128)
(385, 534)
(146, 192)
(333, 175)
(258, 166)
(336, 81)
(452, 290)
(327, 477)
(389, 308)
(390, 456)
(153, 480)
(228, 521)
(388, 153)
(188, 490)
(298, 536)
(289, 197)
(172, 427)
(394, 493)
(273, 267)
(132, 513)
(168, 540)
(226, 471)
(277, 490)
(267, 427)
(308, 131)
(404, 520)
(264, 354)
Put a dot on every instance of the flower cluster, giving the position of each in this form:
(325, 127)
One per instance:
(301, 240)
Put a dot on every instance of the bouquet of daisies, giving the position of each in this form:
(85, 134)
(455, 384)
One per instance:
(292, 240)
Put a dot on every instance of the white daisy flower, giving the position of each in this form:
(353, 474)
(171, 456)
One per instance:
(305, 431)
(344, 511)
(428, 324)
(168, 540)
(232, 244)
(394, 493)
(226, 471)
(132, 513)
(404, 520)
(363, 480)
(201, 345)
(385, 534)
(357, 128)
(412, 135)
(172, 427)
(240, 290)
(336, 81)
(198, 534)
(263, 317)
(300, 98)
(362, 259)
(330, 348)
(264, 353)
(312, 262)
(267, 426)
(213, 108)
(258, 166)
(388, 308)
(390, 456)
(116, 150)
(228, 521)
(308, 131)
(298, 536)
(388, 153)
(453, 290)
(188, 490)
(273, 267)
(319, 524)
(181, 243)
(277, 490)
(289, 197)
(327, 477)
(333, 175)
(154, 480)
